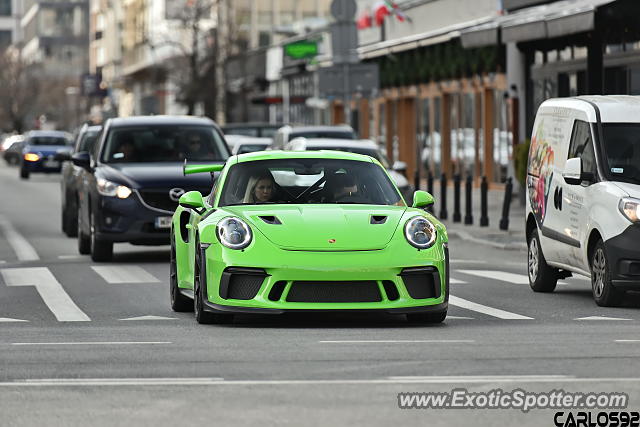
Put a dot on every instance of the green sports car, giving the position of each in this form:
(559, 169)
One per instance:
(306, 231)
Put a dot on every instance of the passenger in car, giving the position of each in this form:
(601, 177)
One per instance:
(126, 151)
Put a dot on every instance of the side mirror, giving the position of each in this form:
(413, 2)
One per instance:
(82, 159)
(192, 200)
(62, 156)
(572, 172)
(422, 199)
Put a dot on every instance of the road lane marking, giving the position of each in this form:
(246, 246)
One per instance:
(503, 276)
(458, 318)
(22, 248)
(93, 343)
(627, 340)
(124, 274)
(71, 256)
(8, 319)
(456, 281)
(601, 318)
(495, 312)
(480, 378)
(395, 341)
(150, 318)
(50, 290)
(56, 382)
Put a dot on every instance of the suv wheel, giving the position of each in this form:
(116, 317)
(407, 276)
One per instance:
(101, 250)
(84, 241)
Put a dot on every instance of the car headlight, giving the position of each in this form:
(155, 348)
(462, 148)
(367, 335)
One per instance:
(108, 188)
(420, 232)
(234, 233)
(630, 208)
(31, 157)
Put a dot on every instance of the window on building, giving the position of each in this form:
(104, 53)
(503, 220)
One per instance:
(5, 7)
(582, 146)
(5, 40)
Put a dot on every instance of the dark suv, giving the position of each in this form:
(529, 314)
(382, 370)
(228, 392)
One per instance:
(132, 179)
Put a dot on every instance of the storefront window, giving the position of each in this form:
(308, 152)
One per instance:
(454, 117)
(424, 132)
(468, 135)
(502, 138)
(434, 141)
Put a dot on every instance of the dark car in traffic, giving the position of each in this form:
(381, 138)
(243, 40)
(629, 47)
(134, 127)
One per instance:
(71, 175)
(255, 129)
(12, 149)
(133, 178)
(40, 149)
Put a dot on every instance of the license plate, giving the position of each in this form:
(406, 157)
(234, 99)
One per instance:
(50, 163)
(163, 222)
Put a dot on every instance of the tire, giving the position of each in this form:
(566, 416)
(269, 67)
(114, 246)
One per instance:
(427, 318)
(24, 174)
(604, 294)
(204, 317)
(69, 222)
(101, 250)
(542, 277)
(84, 241)
(179, 302)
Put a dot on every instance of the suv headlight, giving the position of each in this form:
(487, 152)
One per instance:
(234, 233)
(630, 208)
(111, 189)
(420, 232)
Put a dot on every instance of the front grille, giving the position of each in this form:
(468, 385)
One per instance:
(318, 291)
(241, 283)
(159, 198)
(421, 282)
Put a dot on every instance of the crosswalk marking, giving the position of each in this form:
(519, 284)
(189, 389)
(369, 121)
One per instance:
(50, 290)
(8, 319)
(495, 312)
(124, 274)
(503, 276)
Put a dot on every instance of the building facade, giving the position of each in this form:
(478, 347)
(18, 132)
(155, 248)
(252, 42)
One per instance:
(10, 15)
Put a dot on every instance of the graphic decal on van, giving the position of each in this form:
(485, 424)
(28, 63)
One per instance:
(540, 172)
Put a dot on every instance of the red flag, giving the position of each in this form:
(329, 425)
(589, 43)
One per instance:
(380, 10)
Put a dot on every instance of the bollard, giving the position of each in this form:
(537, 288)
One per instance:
(443, 196)
(468, 216)
(457, 215)
(430, 188)
(484, 218)
(504, 221)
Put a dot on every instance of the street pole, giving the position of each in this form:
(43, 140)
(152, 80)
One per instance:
(347, 98)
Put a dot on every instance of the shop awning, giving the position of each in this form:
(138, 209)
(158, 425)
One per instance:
(534, 23)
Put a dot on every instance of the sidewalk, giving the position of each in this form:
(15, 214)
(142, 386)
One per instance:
(511, 239)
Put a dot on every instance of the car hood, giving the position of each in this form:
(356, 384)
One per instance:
(632, 190)
(154, 175)
(314, 227)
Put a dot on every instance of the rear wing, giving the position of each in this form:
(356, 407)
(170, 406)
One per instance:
(190, 169)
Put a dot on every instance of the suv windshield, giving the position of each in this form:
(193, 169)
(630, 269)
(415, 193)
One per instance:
(303, 181)
(622, 150)
(48, 140)
(164, 143)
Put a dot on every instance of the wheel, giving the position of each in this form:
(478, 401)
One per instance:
(427, 318)
(604, 293)
(84, 241)
(204, 317)
(542, 277)
(178, 301)
(101, 250)
(69, 222)
(24, 174)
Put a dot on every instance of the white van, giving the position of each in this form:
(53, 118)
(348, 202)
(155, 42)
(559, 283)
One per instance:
(583, 192)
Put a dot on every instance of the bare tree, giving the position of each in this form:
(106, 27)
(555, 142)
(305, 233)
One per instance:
(18, 89)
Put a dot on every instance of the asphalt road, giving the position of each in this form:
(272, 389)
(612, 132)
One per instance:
(97, 344)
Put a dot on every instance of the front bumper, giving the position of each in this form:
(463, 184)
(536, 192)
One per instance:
(130, 220)
(397, 279)
(46, 164)
(624, 258)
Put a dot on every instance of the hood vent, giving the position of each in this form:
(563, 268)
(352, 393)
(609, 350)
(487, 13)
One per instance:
(378, 219)
(269, 219)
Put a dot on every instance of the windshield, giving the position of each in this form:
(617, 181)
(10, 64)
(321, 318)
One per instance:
(48, 140)
(333, 134)
(305, 181)
(376, 154)
(622, 151)
(88, 139)
(164, 143)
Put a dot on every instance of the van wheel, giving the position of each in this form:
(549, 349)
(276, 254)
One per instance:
(542, 278)
(604, 293)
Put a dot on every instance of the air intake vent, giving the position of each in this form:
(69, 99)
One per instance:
(241, 283)
(378, 219)
(318, 291)
(270, 219)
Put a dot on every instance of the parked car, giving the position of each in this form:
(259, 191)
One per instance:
(71, 175)
(40, 149)
(287, 133)
(247, 144)
(360, 146)
(12, 149)
(313, 231)
(132, 179)
(255, 129)
(583, 191)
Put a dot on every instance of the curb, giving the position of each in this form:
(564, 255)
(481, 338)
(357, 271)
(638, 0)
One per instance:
(506, 246)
